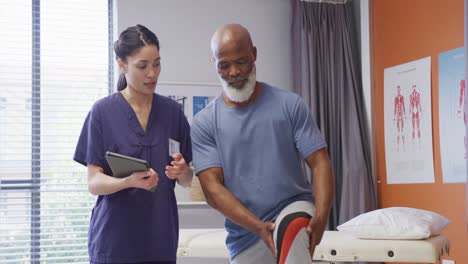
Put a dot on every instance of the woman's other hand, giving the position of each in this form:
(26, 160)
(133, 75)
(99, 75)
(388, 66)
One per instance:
(179, 170)
(143, 179)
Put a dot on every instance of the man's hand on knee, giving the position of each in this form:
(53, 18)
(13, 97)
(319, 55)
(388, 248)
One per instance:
(315, 229)
(265, 232)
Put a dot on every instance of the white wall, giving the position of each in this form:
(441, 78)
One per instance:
(367, 73)
(185, 28)
(366, 58)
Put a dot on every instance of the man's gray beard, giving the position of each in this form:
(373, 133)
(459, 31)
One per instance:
(240, 95)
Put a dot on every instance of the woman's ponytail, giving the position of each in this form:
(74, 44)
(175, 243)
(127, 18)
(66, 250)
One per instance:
(122, 82)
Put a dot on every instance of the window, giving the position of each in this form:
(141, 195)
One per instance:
(56, 62)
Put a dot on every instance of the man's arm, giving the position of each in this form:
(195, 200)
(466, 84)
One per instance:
(320, 166)
(220, 198)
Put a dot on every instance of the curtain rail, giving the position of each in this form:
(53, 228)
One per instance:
(326, 1)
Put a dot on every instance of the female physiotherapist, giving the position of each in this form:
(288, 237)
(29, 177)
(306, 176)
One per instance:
(129, 223)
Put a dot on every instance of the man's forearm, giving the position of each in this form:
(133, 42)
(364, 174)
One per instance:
(323, 189)
(225, 202)
(320, 165)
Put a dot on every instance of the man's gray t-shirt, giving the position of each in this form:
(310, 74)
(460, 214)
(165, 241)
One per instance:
(260, 149)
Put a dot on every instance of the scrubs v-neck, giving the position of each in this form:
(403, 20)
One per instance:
(134, 225)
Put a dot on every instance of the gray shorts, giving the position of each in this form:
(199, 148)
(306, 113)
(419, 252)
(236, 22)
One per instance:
(292, 245)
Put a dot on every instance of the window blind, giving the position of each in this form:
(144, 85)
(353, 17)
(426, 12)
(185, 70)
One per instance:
(56, 62)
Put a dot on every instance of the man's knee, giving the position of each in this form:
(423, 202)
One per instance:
(289, 230)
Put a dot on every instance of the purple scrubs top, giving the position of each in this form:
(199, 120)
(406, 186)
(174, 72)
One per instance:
(134, 225)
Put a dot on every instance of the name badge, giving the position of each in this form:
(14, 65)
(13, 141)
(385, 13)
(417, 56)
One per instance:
(174, 147)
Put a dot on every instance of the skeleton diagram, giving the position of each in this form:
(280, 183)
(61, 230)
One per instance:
(462, 108)
(416, 111)
(399, 114)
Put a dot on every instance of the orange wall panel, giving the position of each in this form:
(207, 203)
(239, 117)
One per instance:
(403, 31)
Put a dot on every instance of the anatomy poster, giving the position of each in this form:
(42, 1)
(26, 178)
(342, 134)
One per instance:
(452, 115)
(191, 97)
(408, 123)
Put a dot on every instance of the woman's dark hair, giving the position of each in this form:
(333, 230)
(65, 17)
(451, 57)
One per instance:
(131, 40)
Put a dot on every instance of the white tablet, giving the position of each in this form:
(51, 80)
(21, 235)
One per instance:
(122, 165)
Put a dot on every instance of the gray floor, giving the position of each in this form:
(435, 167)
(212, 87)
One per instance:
(184, 260)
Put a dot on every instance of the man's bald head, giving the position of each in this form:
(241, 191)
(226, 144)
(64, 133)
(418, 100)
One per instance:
(230, 36)
(234, 56)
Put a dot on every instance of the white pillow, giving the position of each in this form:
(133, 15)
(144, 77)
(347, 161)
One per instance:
(395, 223)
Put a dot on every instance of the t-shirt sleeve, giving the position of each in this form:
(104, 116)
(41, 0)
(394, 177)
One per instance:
(185, 141)
(89, 149)
(307, 136)
(205, 153)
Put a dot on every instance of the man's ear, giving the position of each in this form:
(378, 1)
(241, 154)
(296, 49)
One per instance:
(122, 65)
(254, 51)
(214, 62)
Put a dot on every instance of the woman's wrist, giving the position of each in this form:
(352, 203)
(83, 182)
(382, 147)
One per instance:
(186, 179)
